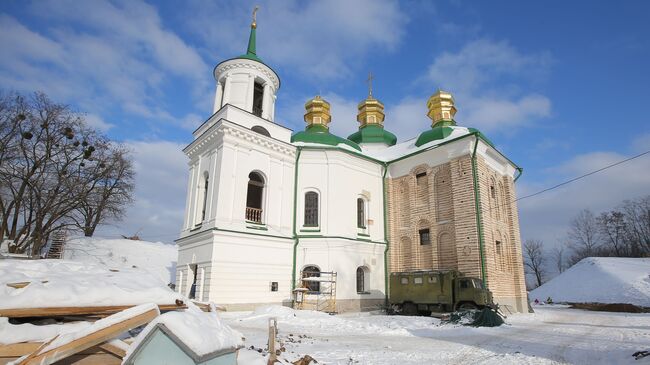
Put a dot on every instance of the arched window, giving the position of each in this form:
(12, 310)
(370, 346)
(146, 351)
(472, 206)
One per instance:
(205, 197)
(311, 209)
(361, 213)
(311, 272)
(362, 279)
(261, 130)
(254, 197)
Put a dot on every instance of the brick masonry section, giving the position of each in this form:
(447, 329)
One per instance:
(441, 199)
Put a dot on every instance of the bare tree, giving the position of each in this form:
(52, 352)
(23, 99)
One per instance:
(612, 228)
(559, 258)
(637, 221)
(534, 260)
(50, 164)
(583, 236)
(111, 192)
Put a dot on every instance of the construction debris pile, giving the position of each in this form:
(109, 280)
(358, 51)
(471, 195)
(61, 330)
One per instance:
(57, 311)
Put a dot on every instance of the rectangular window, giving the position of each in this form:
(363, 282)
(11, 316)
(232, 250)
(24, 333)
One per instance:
(425, 238)
(421, 178)
(432, 279)
(274, 286)
(417, 280)
(404, 280)
(361, 213)
(311, 209)
(498, 247)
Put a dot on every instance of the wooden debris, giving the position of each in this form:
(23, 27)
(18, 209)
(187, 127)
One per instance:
(116, 347)
(92, 339)
(99, 311)
(305, 360)
(19, 349)
(19, 285)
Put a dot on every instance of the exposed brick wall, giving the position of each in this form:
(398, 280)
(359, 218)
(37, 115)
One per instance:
(443, 202)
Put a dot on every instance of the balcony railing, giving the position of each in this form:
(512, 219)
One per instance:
(254, 215)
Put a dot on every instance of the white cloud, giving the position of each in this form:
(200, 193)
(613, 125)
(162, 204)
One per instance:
(161, 183)
(323, 39)
(547, 216)
(97, 122)
(486, 78)
(99, 55)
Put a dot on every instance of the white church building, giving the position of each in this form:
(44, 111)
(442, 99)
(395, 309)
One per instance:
(272, 214)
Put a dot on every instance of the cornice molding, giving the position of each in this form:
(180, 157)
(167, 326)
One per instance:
(246, 64)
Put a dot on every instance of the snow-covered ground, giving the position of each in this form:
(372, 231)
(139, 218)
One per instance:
(552, 335)
(64, 283)
(156, 257)
(600, 280)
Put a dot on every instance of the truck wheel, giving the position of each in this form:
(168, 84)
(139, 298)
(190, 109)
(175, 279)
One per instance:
(466, 307)
(409, 309)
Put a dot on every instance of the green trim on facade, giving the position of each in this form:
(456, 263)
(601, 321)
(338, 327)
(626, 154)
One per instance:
(320, 134)
(484, 138)
(383, 189)
(373, 133)
(295, 207)
(477, 209)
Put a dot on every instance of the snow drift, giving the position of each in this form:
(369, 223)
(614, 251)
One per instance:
(600, 280)
(157, 258)
(63, 283)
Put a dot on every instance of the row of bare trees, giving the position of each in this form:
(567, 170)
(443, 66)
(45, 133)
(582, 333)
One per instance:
(56, 172)
(621, 232)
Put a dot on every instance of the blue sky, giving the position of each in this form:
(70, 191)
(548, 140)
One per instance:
(561, 87)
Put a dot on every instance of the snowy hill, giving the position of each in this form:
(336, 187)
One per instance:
(157, 258)
(600, 280)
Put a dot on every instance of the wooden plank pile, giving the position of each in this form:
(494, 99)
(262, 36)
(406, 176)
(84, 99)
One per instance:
(97, 343)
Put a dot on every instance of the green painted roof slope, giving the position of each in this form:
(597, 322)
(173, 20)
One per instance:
(441, 130)
(251, 51)
(372, 133)
(321, 135)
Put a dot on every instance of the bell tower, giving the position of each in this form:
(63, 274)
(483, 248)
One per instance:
(246, 81)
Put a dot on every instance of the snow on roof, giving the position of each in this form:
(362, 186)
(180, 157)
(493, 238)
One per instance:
(99, 325)
(408, 146)
(27, 332)
(63, 283)
(600, 280)
(203, 333)
(156, 257)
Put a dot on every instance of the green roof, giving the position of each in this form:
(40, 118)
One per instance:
(251, 51)
(319, 134)
(440, 130)
(373, 133)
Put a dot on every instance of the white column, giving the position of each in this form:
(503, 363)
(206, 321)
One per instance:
(266, 102)
(226, 90)
(218, 97)
(249, 94)
(272, 113)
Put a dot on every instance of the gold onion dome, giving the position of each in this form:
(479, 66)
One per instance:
(318, 117)
(371, 121)
(441, 111)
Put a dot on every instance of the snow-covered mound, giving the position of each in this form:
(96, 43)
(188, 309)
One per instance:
(63, 283)
(155, 257)
(600, 280)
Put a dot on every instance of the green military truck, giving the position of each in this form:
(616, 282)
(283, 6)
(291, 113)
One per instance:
(424, 292)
